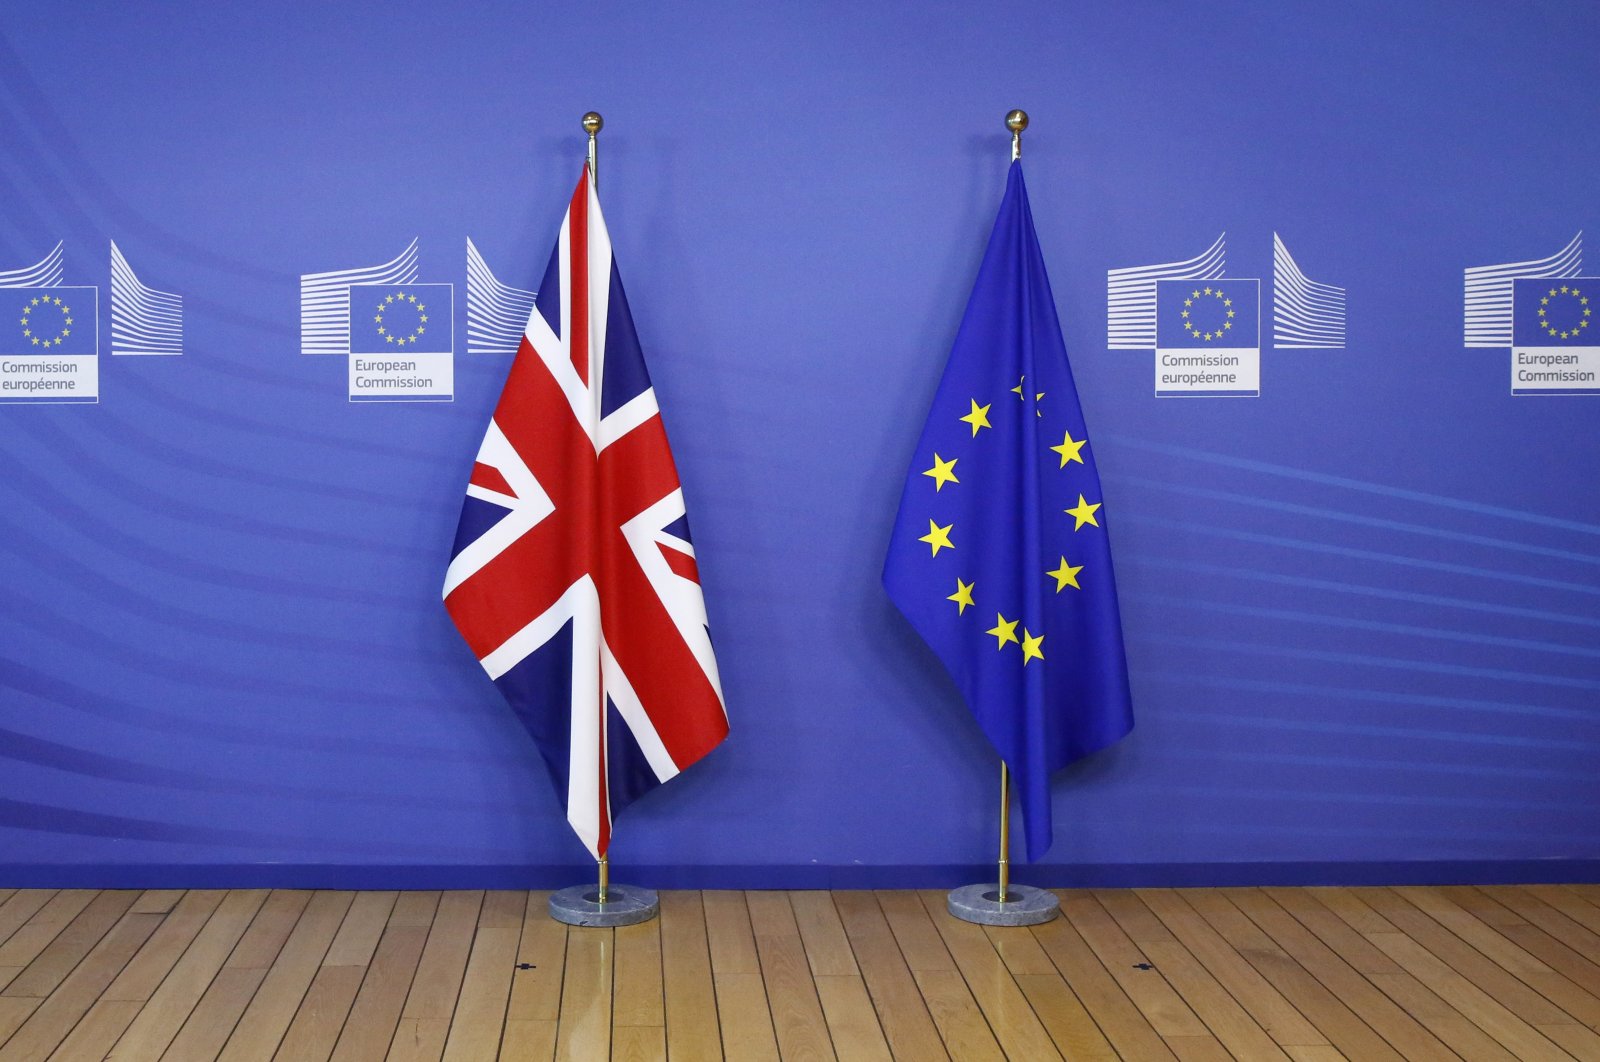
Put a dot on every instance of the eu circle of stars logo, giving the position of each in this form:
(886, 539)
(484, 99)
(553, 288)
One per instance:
(1571, 312)
(1212, 309)
(46, 321)
(969, 444)
(401, 319)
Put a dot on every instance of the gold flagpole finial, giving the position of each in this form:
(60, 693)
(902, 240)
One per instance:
(592, 124)
(1016, 121)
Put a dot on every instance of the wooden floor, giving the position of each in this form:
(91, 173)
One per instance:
(1307, 974)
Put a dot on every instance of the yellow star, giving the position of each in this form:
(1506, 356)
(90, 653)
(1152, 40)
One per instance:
(1231, 313)
(421, 329)
(942, 472)
(1189, 302)
(1030, 647)
(1564, 290)
(1184, 314)
(962, 597)
(1583, 300)
(424, 318)
(1195, 294)
(1227, 324)
(1066, 576)
(978, 418)
(379, 318)
(1552, 292)
(1083, 513)
(1070, 448)
(388, 339)
(56, 300)
(1545, 301)
(66, 331)
(1017, 390)
(34, 302)
(1208, 291)
(388, 298)
(27, 331)
(382, 330)
(1004, 630)
(1541, 311)
(938, 537)
(1226, 302)
(35, 340)
(413, 298)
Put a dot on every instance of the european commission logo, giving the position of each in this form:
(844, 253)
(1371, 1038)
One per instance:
(398, 333)
(1174, 310)
(1544, 312)
(1208, 337)
(49, 335)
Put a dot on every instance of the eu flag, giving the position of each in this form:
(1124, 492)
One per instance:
(999, 556)
(52, 320)
(401, 318)
(1555, 312)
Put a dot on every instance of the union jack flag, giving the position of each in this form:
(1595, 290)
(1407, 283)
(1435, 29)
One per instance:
(573, 577)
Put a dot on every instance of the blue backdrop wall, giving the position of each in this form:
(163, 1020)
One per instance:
(1361, 605)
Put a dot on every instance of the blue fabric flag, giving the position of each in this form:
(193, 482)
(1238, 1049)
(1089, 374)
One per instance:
(999, 556)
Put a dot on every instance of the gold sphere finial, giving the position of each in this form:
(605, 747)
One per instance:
(1017, 121)
(593, 123)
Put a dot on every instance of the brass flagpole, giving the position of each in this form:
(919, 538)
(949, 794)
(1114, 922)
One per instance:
(622, 905)
(1003, 904)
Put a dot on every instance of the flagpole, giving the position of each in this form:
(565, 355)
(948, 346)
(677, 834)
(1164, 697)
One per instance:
(606, 905)
(1004, 904)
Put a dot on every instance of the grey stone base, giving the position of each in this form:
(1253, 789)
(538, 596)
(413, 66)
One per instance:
(1024, 906)
(624, 906)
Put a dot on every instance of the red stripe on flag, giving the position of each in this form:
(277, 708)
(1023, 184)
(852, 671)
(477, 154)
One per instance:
(681, 563)
(489, 478)
(578, 269)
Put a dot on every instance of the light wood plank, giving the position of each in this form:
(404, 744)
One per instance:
(638, 1043)
(375, 1013)
(98, 1030)
(437, 984)
(1333, 931)
(361, 930)
(1338, 1022)
(914, 932)
(415, 908)
(419, 1040)
(1008, 1011)
(209, 1026)
(1062, 1014)
(157, 901)
(146, 970)
(958, 1017)
(58, 959)
(791, 991)
(14, 1013)
(480, 1013)
(584, 1031)
(262, 942)
(746, 1018)
(732, 942)
(1314, 1053)
(822, 933)
(1379, 1011)
(638, 986)
(902, 1013)
(171, 1004)
(529, 1040)
(272, 1010)
(320, 1018)
(1483, 974)
(852, 1023)
(1119, 1020)
(536, 991)
(689, 993)
(56, 1016)
(1510, 956)
(17, 910)
(1230, 1023)
(48, 922)
(1166, 1011)
(1275, 1014)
